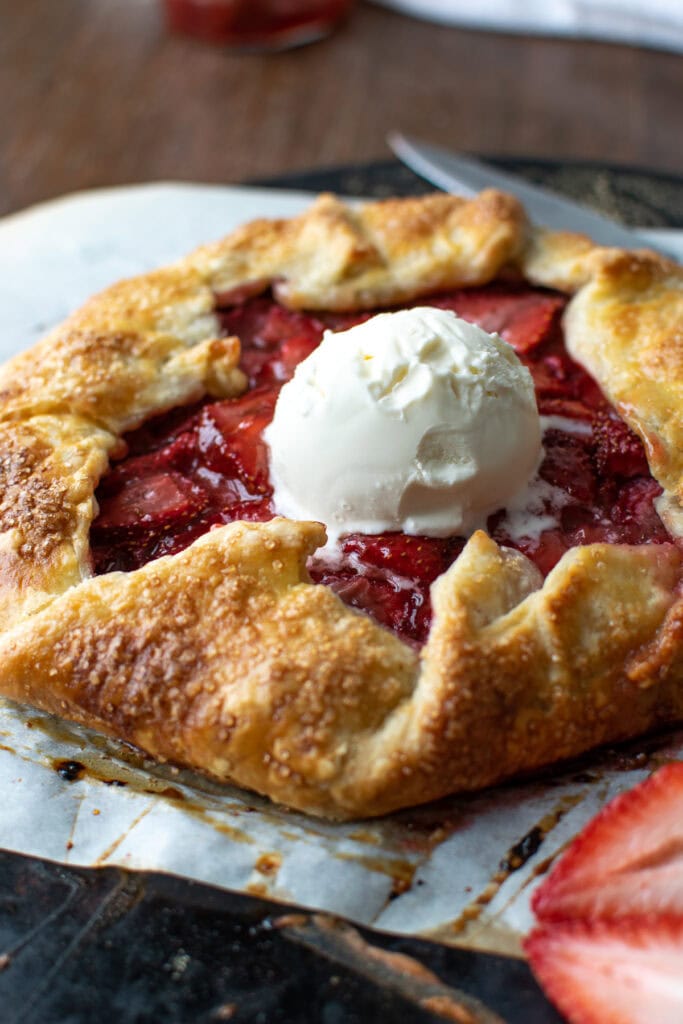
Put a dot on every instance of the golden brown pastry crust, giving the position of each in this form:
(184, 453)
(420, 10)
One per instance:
(225, 657)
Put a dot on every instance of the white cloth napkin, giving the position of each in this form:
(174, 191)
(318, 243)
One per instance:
(657, 23)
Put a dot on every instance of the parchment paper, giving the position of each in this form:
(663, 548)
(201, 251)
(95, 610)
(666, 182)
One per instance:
(460, 871)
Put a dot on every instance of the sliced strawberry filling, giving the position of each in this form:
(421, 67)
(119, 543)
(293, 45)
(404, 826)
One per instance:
(152, 502)
(203, 466)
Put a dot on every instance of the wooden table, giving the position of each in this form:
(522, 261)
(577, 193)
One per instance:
(97, 93)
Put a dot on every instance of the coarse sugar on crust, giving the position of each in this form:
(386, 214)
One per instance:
(225, 657)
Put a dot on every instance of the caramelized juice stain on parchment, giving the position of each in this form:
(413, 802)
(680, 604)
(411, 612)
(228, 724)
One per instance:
(396, 846)
(111, 773)
(592, 769)
(113, 763)
(467, 929)
(268, 864)
(416, 832)
(264, 875)
(401, 872)
(399, 844)
(99, 768)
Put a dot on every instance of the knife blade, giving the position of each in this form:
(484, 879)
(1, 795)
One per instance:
(467, 176)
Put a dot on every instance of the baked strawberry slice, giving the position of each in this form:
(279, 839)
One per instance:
(179, 454)
(292, 352)
(524, 319)
(230, 437)
(612, 973)
(618, 450)
(255, 362)
(154, 502)
(628, 860)
(568, 408)
(401, 555)
(581, 525)
(247, 321)
(568, 465)
(405, 610)
(634, 515)
(274, 343)
(282, 324)
(544, 551)
(554, 377)
(343, 321)
(250, 511)
(163, 431)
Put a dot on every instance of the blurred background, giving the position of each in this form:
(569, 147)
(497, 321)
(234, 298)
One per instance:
(95, 92)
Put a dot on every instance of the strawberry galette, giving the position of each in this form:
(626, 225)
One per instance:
(497, 458)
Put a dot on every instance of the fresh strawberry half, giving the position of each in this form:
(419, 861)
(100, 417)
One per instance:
(627, 861)
(612, 973)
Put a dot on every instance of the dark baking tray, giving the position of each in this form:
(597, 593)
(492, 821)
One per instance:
(80, 946)
(140, 948)
(632, 195)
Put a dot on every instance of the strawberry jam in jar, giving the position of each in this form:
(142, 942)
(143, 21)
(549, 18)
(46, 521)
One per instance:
(256, 24)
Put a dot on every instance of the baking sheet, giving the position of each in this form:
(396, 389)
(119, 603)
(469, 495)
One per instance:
(461, 871)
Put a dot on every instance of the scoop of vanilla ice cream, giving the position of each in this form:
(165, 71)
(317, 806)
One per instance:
(415, 421)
